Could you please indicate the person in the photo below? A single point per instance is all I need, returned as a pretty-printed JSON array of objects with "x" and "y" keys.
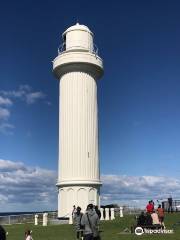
[
  {"x": 73, "y": 211},
  {"x": 148, "y": 221},
  {"x": 149, "y": 207},
  {"x": 170, "y": 202},
  {"x": 98, "y": 212},
  {"x": 77, "y": 223},
  {"x": 90, "y": 221},
  {"x": 141, "y": 221},
  {"x": 155, "y": 219},
  {"x": 160, "y": 212},
  {"x": 2, "y": 233},
  {"x": 28, "y": 235}
]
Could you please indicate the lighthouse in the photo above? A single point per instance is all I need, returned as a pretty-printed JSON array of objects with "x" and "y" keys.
[{"x": 78, "y": 69}]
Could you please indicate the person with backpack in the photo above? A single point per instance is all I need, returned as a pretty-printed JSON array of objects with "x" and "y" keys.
[
  {"x": 77, "y": 223},
  {"x": 90, "y": 221}
]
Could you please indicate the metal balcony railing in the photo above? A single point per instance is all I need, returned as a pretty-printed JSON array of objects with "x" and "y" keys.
[
  {"x": 62, "y": 48},
  {"x": 95, "y": 49}
]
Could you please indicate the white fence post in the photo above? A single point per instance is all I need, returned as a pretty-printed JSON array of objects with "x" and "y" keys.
[
  {"x": 36, "y": 219},
  {"x": 121, "y": 211},
  {"x": 112, "y": 214},
  {"x": 70, "y": 219},
  {"x": 107, "y": 213},
  {"x": 45, "y": 219},
  {"x": 102, "y": 213}
]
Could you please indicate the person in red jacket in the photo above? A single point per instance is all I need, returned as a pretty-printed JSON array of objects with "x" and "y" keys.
[{"x": 150, "y": 207}]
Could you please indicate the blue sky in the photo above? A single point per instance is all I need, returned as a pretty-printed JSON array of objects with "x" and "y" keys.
[{"x": 139, "y": 100}]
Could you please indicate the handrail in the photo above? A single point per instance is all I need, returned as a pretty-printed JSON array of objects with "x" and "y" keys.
[
  {"x": 95, "y": 49},
  {"x": 61, "y": 49}
]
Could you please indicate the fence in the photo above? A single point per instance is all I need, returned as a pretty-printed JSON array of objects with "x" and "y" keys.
[
  {"x": 175, "y": 205},
  {"x": 128, "y": 210},
  {"x": 106, "y": 214},
  {"x": 25, "y": 218}
]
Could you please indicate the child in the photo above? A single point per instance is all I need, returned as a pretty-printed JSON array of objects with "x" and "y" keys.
[{"x": 28, "y": 235}]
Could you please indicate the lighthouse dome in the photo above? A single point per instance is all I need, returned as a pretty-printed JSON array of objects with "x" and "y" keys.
[
  {"x": 78, "y": 38},
  {"x": 76, "y": 27}
]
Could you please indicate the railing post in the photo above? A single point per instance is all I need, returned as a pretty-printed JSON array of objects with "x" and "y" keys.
[
  {"x": 45, "y": 219},
  {"x": 121, "y": 211},
  {"x": 102, "y": 213},
  {"x": 112, "y": 214},
  {"x": 36, "y": 219},
  {"x": 70, "y": 219},
  {"x": 107, "y": 213}
]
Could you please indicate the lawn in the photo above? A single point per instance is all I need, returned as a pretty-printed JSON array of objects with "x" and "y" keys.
[{"x": 111, "y": 230}]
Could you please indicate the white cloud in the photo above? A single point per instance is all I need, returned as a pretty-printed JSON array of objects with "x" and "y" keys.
[
  {"x": 25, "y": 93},
  {"x": 8, "y": 166},
  {"x": 4, "y": 113},
  {"x": 5, "y": 101},
  {"x": 137, "y": 190},
  {"x": 25, "y": 188},
  {"x": 34, "y": 96},
  {"x": 19, "y": 93},
  {"x": 21, "y": 184},
  {"x": 6, "y": 128}
]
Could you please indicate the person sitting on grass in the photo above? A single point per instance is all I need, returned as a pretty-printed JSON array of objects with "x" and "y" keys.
[
  {"x": 149, "y": 220},
  {"x": 141, "y": 220}
]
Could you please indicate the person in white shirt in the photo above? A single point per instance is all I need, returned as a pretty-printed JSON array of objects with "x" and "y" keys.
[{"x": 155, "y": 218}]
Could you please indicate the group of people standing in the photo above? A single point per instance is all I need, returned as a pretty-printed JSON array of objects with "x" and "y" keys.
[
  {"x": 87, "y": 224},
  {"x": 157, "y": 215},
  {"x": 153, "y": 218}
]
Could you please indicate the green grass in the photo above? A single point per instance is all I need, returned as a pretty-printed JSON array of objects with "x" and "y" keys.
[{"x": 111, "y": 230}]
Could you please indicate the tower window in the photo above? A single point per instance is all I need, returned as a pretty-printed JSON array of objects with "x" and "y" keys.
[{"x": 64, "y": 43}]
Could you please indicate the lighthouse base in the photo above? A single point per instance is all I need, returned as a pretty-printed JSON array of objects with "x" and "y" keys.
[{"x": 76, "y": 195}]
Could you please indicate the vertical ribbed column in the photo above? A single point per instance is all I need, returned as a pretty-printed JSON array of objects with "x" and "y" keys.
[{"x": 78, "y": 139}]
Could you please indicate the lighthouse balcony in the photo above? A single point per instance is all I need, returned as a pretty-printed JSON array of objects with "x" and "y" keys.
[{"x": 62, "y": 49}]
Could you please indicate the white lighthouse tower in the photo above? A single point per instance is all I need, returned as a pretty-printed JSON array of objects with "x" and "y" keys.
[{"x": 78, "y": 67}]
